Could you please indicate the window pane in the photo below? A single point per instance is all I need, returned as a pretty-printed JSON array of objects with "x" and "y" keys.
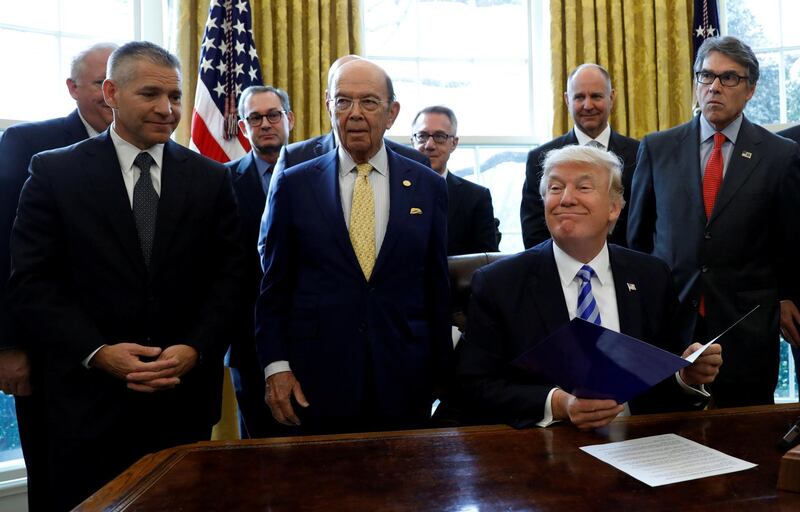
[
  {"x": 757, "y": 22},
  {"x": 9, "y": 437},
  {"x": 792, "y": 67},
  {"x": 99, "y": 20},
  {"x": 37, "y": 14},
  {"x": 765, "y": 106}
]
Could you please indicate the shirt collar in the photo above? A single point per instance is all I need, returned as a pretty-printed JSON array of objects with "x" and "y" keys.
[
  {"x": 379, "y": 161},
  {"x": 262, "y": 166},
  {"x": 91, "y": 131},
  {"x": 604, "y": 138},
  {"x": 568, "y": 266},
  {"x": 730, "y": 132},
  {"x": 126, "y": 152}
]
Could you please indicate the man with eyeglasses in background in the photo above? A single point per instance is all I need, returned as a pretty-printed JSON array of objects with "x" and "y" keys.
[
  {"x": 716, "y": 199},
  {"x": 352, "y": 324},
  {"x": 266, "y": 118},
  {"x": 589, "y": 98},
  {"x": 18, "y": 144},
  {"x": 470, "y": 216}
]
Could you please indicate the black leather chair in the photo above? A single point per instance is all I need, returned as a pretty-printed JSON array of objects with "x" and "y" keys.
[{"x": 461, "y": 269}]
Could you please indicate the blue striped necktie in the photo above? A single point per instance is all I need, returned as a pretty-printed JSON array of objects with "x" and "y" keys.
[{"x": 587, "y": 306}]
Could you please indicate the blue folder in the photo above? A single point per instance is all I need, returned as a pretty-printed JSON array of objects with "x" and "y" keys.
[{"x": 590, "y": 361}]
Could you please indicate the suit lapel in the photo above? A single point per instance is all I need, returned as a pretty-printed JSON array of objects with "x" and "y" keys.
[
  {"x": 739, "y": 167},
  {"x": 399, "y": 205},
  {"x": 544, "y": 289},
  {"x": 453, "y": 199},
  {"x": 74, "y": 130},
  {"x": 687, "y": 166},
  {"x": 170, "y": 203},
  {"x": 249, "y": 187},
  {"x": 112, "y": 196},
  {"x": 626, "y": 286},
  {"x": 325, "y": 144}
]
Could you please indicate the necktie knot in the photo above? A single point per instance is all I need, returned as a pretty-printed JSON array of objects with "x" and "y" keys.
[
  {"x": 364, "y": 170},
  {"x": 585, "y": 273},
  {"x": 595, "y": 144},
  {"x": 719, "y": 140},
  {"x": 143, "y": 161}
]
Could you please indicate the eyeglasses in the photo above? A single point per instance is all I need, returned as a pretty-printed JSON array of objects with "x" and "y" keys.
[
  {"x": 342, "y": 104},
  {"x": 438, "y": 137},
  {"x": 728, "y": 79},
  {"x": 273, "y": 116}
]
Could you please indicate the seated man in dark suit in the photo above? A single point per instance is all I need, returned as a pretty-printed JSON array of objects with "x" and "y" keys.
[
  {"x": 519, "y": 301},
  {"x": 589, "y": 98},
  {"x": 266, "y": 118},
  {"x": 17, "y": 145},
  {"x": 470, "y": 216},
  {"x": 125, "y": 262}
]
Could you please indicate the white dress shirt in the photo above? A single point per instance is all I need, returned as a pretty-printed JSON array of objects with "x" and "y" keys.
[{"x": 604, "y": 138}]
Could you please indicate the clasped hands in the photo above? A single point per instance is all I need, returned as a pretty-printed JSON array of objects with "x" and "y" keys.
[
  {"x": 588, "y": 414},
  {"x": 146, "y": 369}
]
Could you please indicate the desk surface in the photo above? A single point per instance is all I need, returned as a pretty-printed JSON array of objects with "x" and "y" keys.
[{"x": 465, "y": 469}]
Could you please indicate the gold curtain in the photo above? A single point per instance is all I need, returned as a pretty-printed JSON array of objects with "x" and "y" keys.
[
  {"x": 297, "y": 40},
  {"x": 646, "y": 46}
]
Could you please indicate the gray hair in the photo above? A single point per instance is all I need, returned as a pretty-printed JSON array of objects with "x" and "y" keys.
[
  {"x": 590, "y": 65},
  {"x": 439, "y": 109},
  {"x": 78, "y": 61},
  {"x": 575, "y": 154},
  {"x": 733, "y": 48},
  {"x": 261, "y": 89},
  {"x": 119, "y": 68}
]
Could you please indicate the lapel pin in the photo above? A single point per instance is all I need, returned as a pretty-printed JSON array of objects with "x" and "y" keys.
[
  {"x": 415, "y": 211},
  {"x": 631, "y": 287},
  {"x": 747, "y": 154},
  {"x": 406, "y": 183}
]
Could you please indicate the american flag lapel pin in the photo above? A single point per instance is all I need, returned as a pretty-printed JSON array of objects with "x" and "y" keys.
[
  {"x": 747, "y": 154},
  {"x": 631, "y": 287}
]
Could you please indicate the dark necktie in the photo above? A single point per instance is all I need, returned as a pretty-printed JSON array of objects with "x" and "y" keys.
[{"x": 145, "y": 205}]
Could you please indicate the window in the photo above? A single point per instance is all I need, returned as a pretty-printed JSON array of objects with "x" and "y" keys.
[{"x": 488, "y": 60}]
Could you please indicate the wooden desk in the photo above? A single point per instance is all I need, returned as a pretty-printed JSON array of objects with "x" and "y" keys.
[{"x": 466, "y": 469}]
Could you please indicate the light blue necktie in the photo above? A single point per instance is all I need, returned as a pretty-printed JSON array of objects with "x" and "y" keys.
[{"x": 587, "y": 306}]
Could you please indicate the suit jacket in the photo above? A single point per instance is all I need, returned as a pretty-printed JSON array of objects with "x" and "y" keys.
[
  {"x": 470, "y": 217},
  {"x": 534, "y": 229},
  {"x": 738, "y": 258},
  {"x": 79, "y": 281},
  {"x": 793, "y": 133},
  {"x": 518, "y": 301},
  {"x": 348, "y": 339},
  {"x": 250, "y": 198},
  {"x": 17, "y": 145}
]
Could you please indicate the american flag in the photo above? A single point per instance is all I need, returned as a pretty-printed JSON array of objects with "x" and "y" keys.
[
  {"x": 228, "y": 65},
  {"x": 706, "y": 22}
]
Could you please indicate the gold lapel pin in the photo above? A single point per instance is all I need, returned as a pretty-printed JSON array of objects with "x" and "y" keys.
[
  {"x": 406, "y": 183},
  {"x": 415, "y": 211}
]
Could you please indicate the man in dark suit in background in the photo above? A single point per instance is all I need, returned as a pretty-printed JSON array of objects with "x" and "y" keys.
[
  {"x": 470, "y": 217},
  {"x": 518, "y": 301},
  {"x": 17, "y": 145},
  {"x": 716, "y": 198},
  {"x": 589, "y": 98},
  {"x": 266, "y": 118},
  {"x": 125, "y": 262},
  {"x": 352, "y": 324}
]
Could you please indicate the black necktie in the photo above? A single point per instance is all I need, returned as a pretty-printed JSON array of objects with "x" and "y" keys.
[{"x": 145, "y": 205}]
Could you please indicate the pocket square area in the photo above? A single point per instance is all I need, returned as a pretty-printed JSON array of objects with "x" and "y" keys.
[{"x": 415, "y": 211}]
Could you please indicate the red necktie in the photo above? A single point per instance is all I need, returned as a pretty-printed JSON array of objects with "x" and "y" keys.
[{"x": 712, "y": 179}]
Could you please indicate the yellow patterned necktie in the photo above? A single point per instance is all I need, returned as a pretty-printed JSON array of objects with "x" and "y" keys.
[{"x": 362, "y": 221}]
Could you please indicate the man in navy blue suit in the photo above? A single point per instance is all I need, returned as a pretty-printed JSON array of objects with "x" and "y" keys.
[
  {"x": 518, "y": 301},
  {"x": 266, "y": 118},
  {"x": 352, "y": 324},
  {"x": 471, "y": 224},
  {"x": 125, "y": 263},
  {"x": 17, "y": 145},
  {"x": 715, "y": 198}
]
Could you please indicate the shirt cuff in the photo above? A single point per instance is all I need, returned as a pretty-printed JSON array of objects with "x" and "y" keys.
[
  {"x": 89, "y": 359},
  {"x": 692, "y": 390},
  {"x": 547, "y": 418},
  {"x": 276, "y": 367}
]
